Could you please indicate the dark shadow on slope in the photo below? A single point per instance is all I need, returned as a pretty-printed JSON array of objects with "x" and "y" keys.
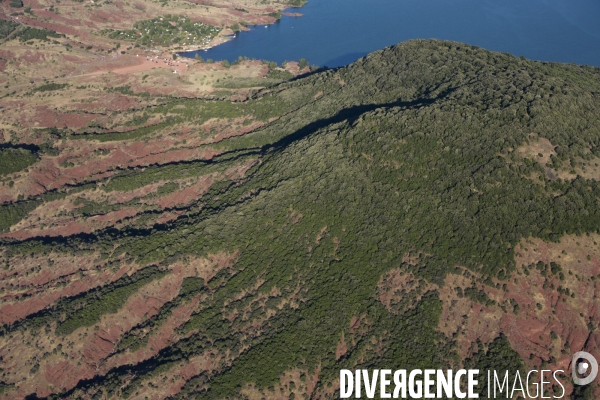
[
  {"x": 26, "y": 146},
  {"x": 350, "y": 114}
]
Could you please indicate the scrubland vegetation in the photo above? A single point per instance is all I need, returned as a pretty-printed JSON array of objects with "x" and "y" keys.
[
  {"x": 167, "y": 31},
  {"x": 7, "y": 27},
  {"x": 28, "y": 33}
]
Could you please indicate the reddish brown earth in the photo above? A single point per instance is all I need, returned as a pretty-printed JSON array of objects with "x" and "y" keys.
[
  {"x": 294, "y": 68},
  {"x": 51, "y": 363},
  {"x": 301, "y": 382},
  {"x": 80, "y": 23},
  {"x": 48, "y": 174},
  {"x": 89, "y": 352},
  {"x": 549, "y": 326},
  {"x": 94, "y": 351},
  {"x": 399, "y": 291},
  {"x": 44, "y": 220},
  {"x": 28, "y": 288}
]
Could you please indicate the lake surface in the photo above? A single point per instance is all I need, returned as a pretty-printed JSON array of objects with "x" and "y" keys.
[{"x": 336, "y": 32}]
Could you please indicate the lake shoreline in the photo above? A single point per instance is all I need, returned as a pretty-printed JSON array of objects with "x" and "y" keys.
[
  {"x": 227, "y": 34},
  {"x": 334, "y": 33}
]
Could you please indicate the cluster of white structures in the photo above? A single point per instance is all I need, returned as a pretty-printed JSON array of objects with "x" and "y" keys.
[
  {"x": 201, "y": 38},
  {"x": 169, "y": 62}
]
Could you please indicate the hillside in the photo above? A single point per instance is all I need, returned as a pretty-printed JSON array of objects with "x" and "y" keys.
[
  {"x": 77, "y": 52},
  {"x": 431, "y": 205}
]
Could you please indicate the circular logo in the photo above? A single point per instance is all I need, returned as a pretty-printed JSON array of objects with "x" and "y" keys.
[{"x": 580, "y": 365}]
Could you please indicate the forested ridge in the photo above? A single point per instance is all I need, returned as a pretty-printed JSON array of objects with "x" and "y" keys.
[{"x": 413, "y": 152}]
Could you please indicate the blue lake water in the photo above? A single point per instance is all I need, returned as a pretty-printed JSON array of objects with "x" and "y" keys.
[{"x": 336, "y": 32}]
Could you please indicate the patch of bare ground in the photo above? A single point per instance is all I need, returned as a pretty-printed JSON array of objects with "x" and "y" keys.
[
  {"x": 31, "y": 284},
  {"x": 295, "y": 69},
  {"x": 60, "y": 217},
  {"x": 168, "y": 383},
  {"x": 172, "y": 380},
  {"x": 89, "y": 160},
  {"x": 82, "y": 53},
  {"x": 88, "y": 99},
  {"x": 70, "y": 226},
  {"x": 400, "y": 291},
  {"x": 300, "y": 382},
  {"x": 56, "y": 363},
  {"x": 543, "y": 151},
  {"x": 548, "y": 308}
]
